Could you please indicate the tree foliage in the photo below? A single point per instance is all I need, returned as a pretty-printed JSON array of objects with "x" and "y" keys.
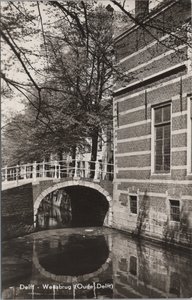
[
  {"x": 74, "y": 101},
  {"x": 59, "y": 56}
]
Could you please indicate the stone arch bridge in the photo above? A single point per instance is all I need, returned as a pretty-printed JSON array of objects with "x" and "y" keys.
[
  {"x": 25, "y": 186},
  {"x": 42, "y": 188}
]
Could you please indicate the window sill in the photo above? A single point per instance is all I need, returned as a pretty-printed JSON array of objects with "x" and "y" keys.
[
  {"x": 189, "y": 176},
  {"x": 132, "y": 214},
  {"x": 173, "y": 223},
  {"x": 133, "y": 276},
  {"x": 161, "y": 175}
]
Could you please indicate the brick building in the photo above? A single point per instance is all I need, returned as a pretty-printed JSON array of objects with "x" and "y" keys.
[{"x": 153, "y": 124}]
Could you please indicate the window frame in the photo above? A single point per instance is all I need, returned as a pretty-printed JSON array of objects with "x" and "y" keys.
[
  {"x": 174, "y": 221},
  {"x": 130, "y": 270},
  {"x": 129, "y": 199},
  {"x": 189, "y": 136},
  {"x": 153, "y": 139}
]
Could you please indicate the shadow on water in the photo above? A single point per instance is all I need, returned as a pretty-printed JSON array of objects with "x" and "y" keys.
[
  {"x": 72, "y": 207},
  {"x": 78, "y": 264},
  {"x": 77, "y": 255}
]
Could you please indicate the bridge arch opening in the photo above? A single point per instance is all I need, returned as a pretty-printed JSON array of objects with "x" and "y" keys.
[{"x": 88, "y": 204}]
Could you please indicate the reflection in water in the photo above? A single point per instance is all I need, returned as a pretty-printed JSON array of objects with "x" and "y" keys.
[
  {"x": 102, "y": 263},
  {"x": 54, "y": 211},
  {"x": 145, "y": 270},
  {"x": 78, "y": 255}
]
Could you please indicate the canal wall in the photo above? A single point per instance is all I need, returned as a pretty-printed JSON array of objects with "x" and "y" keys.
[
  {"x": 153, "y": 218},
  {"x": 17, "y": 211}
]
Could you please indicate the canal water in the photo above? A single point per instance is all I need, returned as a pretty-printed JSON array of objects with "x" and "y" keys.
[{"x": 92, "y": 262}]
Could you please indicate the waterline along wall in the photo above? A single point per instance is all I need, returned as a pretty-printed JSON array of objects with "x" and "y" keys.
[{"x": 153, "y": 125}]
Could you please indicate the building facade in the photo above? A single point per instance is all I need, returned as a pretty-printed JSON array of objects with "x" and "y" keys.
[{"x": 153, "y": 125}]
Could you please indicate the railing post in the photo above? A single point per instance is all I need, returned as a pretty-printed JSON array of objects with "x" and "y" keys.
[
  {"x": 43, "y": 169},
  {"x": 104, "y": 171},
  {"x": 80, "y": 169},
  {"x": 5, "y": 173},
  {"x": 59, "y": 175},
  {"x": 17, "y": 173},
  {"x": 75, "y": 175},
  {"x": 55, "y": 175},
  {"x": 34, "y": 175},
  {"x": 31, "y": 170},
  {"x": 86, "y": 169},
  {"x": 67, "y": 163},
  {"x": 83, "y": 169},
  {"x": 96, "y": 170},
  {"x": 25, "y": 172}
]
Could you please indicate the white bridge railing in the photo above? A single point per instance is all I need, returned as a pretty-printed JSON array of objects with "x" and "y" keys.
[{"x": 58, "y": 169}]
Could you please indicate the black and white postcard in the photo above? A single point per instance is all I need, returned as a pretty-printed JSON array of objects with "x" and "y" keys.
[{"x": 96, "y": 131}]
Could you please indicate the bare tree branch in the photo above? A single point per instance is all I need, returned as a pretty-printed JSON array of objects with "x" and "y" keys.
[{"x": 18, "y": 55}]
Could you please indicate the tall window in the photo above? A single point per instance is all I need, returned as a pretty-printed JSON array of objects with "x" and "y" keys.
[
  {"x": 174, "y": 210},
  {"x": 162, "y": 124},
  {"x": 133, "y": 204},
  {"x": 133, "y": 265}
]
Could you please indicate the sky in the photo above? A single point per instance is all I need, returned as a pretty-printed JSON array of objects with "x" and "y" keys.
[{"x": 130, "y": 4}]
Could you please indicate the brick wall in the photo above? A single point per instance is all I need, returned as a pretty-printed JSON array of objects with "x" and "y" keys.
[
  {"x": 139, "y": 37},
  {"x": 134, "y": 132},
  {"x": 17, "y": 211},
  {"x": 43, "y": 185}
]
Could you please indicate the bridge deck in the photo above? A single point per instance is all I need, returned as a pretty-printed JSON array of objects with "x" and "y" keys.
[{"x": 11, "y": 184}]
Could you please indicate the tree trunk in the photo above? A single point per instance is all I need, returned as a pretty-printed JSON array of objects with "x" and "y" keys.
[
  {"x": 73, "y": 154},
  {"x": 60, "y": 154},
  {"x": 94, "y": 140}
]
